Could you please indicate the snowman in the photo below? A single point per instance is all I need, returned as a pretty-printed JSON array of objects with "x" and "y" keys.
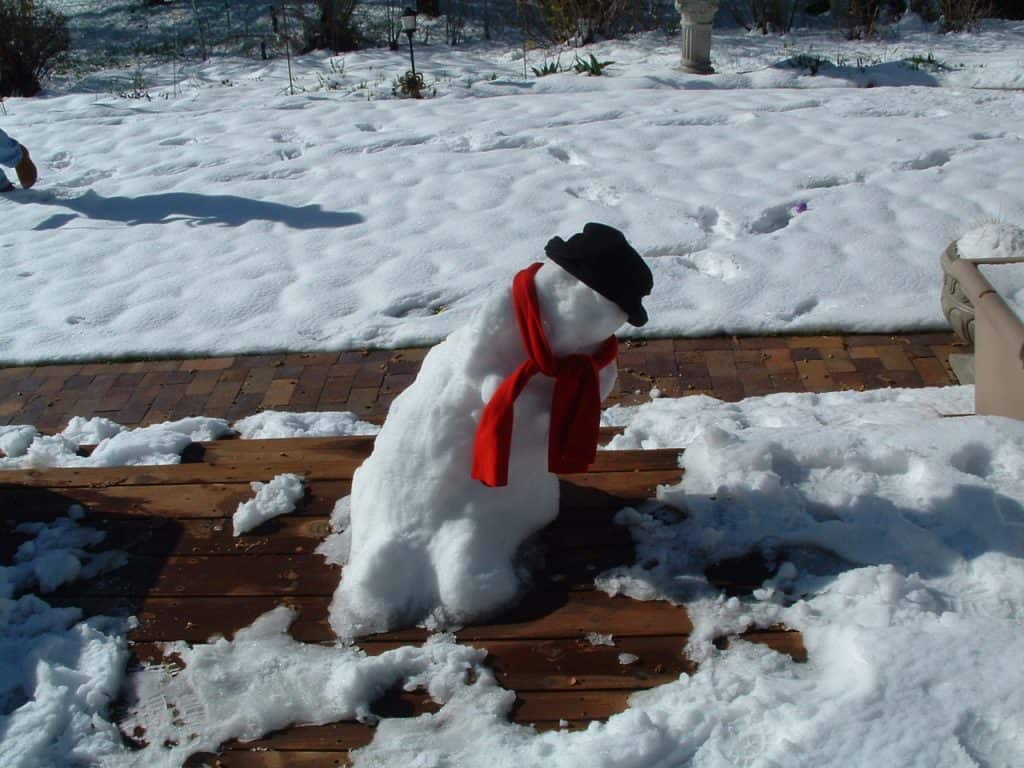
[{"x": 463, "y": 470}]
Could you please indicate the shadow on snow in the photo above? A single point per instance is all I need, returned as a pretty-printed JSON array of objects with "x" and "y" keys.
[{"x": 193, "y": 209}]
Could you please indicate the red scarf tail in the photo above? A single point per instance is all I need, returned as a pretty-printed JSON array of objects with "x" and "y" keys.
[{"x": 575, "y": 405}]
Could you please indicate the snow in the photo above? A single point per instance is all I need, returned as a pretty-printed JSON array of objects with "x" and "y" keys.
[
  {"x": 414, "y": 500},
  {"x": 115, "y": 445},
  {"x": 992, "y": 240},
  {"x": 995, "y": 240},
  {"x": 273, "y": 499},
  {"x": 263, "y": 680},
  {"x": 677, "y": 422},
  {"x": 899, "y": 531},
  {"x": 224, "y": 215},
  {"x": 284, "y": 424},
  {"x": 58, "y": 674}
]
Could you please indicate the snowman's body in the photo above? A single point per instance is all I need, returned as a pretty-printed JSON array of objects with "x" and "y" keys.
[{"x": 428, "y": 542}]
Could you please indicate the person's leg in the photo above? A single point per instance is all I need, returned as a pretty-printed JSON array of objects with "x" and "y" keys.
[
  {"x": 10, "y": 151},
  {"x": 14, "y": 155}
]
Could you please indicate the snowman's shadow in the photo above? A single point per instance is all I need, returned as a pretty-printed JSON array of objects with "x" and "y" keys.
[{"x": 568, "y": 554}]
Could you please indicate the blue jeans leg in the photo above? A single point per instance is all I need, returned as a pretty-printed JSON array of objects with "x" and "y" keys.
[
  {"x": 10, "y": 155},
  {"x": 10, "y": 151}
]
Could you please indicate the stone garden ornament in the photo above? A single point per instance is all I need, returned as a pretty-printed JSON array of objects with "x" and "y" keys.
[{"x": 697, "y": 19}]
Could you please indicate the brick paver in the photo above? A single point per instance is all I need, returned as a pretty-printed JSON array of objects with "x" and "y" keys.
[{"x": 367, "y": 381}]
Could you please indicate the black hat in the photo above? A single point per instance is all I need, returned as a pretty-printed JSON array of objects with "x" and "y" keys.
[{"x": 600, "y": 257}]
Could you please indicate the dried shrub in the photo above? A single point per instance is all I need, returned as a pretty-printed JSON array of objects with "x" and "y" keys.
[
  {"x": 958, "y": 15},
  {"x": 584, "y": 20},
  {"x": 33, "y": 41}
]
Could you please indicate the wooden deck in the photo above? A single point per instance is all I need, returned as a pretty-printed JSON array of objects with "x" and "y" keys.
[{"x": 188, "y": 578}]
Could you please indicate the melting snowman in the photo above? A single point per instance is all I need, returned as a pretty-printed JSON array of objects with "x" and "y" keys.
[{"x": 462, "y": 471}]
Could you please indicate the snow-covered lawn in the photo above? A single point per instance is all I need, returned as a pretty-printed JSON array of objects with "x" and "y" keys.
[{"x": 225, "y": 215}]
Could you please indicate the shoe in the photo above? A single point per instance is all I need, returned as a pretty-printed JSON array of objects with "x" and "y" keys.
[{"x": 26, "y": 169}]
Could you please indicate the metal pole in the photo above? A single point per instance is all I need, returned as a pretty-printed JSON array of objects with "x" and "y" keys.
[{"x": 412, "y": 58}]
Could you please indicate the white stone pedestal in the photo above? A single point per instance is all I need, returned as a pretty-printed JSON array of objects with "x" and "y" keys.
[{"x": 697, "y": 17}]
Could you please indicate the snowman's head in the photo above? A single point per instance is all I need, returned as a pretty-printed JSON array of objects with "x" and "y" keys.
[{"x": 600, "y": 257}]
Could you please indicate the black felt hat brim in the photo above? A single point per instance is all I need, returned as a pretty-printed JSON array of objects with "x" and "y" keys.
[{"x": 584, "y": 270}]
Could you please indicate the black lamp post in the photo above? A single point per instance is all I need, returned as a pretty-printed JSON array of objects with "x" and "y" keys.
[{"x": 409, "y": 27}]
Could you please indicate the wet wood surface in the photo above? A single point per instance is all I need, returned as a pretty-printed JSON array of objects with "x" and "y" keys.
[{"x": 188, "y": 578}]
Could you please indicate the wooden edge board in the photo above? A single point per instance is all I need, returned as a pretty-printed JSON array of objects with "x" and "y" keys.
[
  {"x": 540, "y": 615},
  {"x": 571, "y": 663}
]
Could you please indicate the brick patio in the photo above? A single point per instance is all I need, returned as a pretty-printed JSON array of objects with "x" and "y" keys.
[{"x": 367, "y": 381}]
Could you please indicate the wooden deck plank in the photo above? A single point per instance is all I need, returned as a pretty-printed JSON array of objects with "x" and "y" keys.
[
  {"x": 542, "y": 665},
  {"x": 249, "y": 757},
  {"x": 291, "y": 535},
  {"x": 582, "y": 495},
  {"x": 205, "y": 474},
  {"x": 540, "y": 615},
  {"x": 561, "y": 664},
  {"x": 231, "y": 452},
  {"x": 304, "y": 573}
]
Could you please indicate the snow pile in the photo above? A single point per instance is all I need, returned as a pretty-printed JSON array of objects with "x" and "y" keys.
[
  {"x": 993, "y": 240},
  {"x": 264, "y": 680},
  {"x": 283, "y": 424},
  {"x": 58, "y": 554},
  {"x": 413, "y": 500},
  {"x": 278, "y": 497},
  {"x": 336, "y": 547},
  {"x": 677, "y": 422},
  {"x": 902, "y": 551},
  {"x": 999, "y": 241},
  {"x": 58, "y": 675},
  {"x": 116, "y": 446},
  {"x": 902, "y": 562}
]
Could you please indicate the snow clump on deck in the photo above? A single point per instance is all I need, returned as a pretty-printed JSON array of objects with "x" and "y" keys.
[
  {"x": 58, "y": 675},
  {"x": 273, "y": 499},
  {"x": 283, "y": 424},
  {"x": 116, "y": 446},
  {"x": 264, "y": 680}
]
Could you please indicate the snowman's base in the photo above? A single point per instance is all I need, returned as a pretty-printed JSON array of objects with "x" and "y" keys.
[{"x": 188, "y": 578}]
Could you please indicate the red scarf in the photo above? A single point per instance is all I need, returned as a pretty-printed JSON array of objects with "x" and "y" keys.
[{"x": 575, "y": 406}]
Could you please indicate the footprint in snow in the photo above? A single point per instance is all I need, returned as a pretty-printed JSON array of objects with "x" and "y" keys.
[
  {"x": 777, "y": 217},
  {"x": 934, "y": 159}
]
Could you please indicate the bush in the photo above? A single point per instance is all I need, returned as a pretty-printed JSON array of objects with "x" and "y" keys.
[
  {"x": 958, "y": 15},
  {"x": 586, "y": 19},
  {"x": 1007, "y": 9},
  {"x": 33, "y": 40},
  {"x": 409, "y": 85},
  {"x": 764, "y": 15},
  {"x": 862, "y": 18},
  {"x": 335, "y": 28}
]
